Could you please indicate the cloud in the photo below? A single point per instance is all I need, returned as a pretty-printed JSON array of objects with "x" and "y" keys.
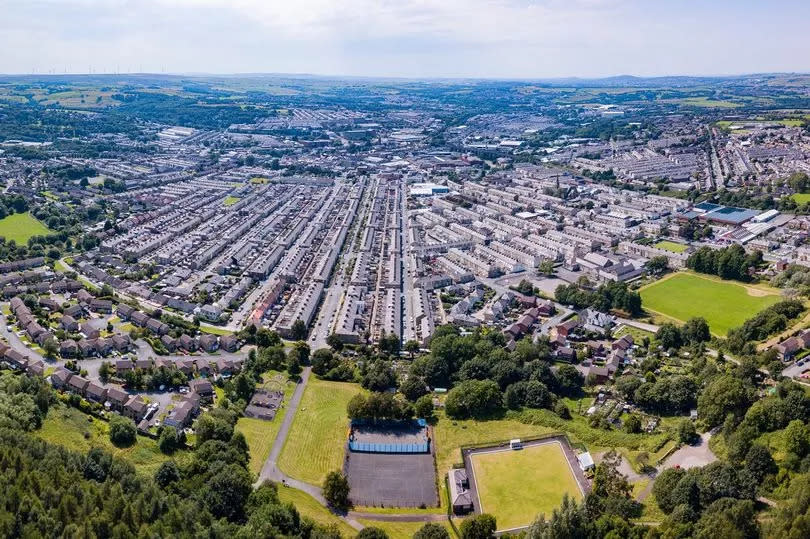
[{"x": 496, "y": 38}]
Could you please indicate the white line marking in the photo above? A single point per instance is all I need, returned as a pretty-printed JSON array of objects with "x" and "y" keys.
[{"x": 507, "y": 449}]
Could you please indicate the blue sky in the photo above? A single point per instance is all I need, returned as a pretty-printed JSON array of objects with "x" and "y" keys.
[{"x": 407, "y": 38}]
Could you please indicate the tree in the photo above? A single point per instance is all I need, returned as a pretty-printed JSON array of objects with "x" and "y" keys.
[
  {"x": 759, "y": 462},
  {"x": 122, "y": 431},
  {"x": 562, "y": 410},
  {"x": 227, "y": 491},
  {"x": 336, "y": 490},
  {"x": 686, "y": 432},
  {"x": 481, "y": 526},
  {"x": 696, "y": 330},
  {"x": 298, "y": 332},
  {"x": 723, "y": 395},
  {"x": 423, "y": 407},
  {"x": 797, "y": 439},
  {"x": 473, "y": 398},
  {"x": 293, "y": 366},
  {"x": 334, "y": 342},
  {"x": 323, "y": 360},
  {"x": 665, "y": 485},
  {"x": 167, "y": 474},
  {"x": 431, "y": 530},
  {"x": 546, "y": 267},
  {"x": 168, "y": 440},
  {"x": 380, "y": 376},
  {"x": 413, "y": 387},
  {"x": 632, "y": 424},
  {"x": 50, "y": 348},
  {"x": 411, "y": 346},
  {"x": 300, "y": 350},
  {"x": 567, "y": 521},
  {"x": 657, "y": 265},
  {"x": 668, "y": 336},
  {"x": 370, "y": 532},
  {"x": 569, "y": 380}
]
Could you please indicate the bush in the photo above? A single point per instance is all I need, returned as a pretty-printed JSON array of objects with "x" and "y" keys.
[{"x": 122, "y": 431}]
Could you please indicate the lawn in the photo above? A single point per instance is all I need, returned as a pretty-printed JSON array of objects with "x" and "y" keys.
[
  {"x": 401, "y": 530},
  {"x": 21, "y": 226},
  {"x": 724, "y": 304},
  {"x": 451, "y": 435},
  {"x": 261, "y": 434},
  {"x": 215, "y": 330},
  {"x": 309, "y": 507},
  {"x": 317, "y": 439},
  {"x": 801, "y": 198},
  {"x": 671, "y": 246},
  {"x": 516, "y": 486},
  {"x": 77, "y": 431},
  {"x": 231, "y": 200}
]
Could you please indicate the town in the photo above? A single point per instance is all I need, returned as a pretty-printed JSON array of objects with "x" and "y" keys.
[{"x": 410, "y": 313}]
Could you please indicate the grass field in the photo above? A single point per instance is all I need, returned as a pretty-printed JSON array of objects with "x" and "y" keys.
[
  {"x": 724, "y": 304},
  {"x": 451, "y": 435},
  {"x": 516, "y": 486},
  {"x": 317, "y": 438},
  {"x": 705, "y": 102},
  {"x": 801, "y": 198},
  {"x": 75, "y": 430},
  {"x": 231, "y": 200},
  {"x": 309, "y": 507},
  {"x": 401, "y": 530},
  {"x": 672, "y": 246},
  {"x": 261, "y": 434},
  {"x": 214, "y": 330},
  {"x": 21, "y": 226}
]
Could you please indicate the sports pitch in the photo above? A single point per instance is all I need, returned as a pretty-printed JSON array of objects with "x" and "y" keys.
[
  {"x": 724, "y": 304},
  {"x": 22, "y": 226},
  {"x": 672, "y": 246},
  {"x": 517, "y": 486}
]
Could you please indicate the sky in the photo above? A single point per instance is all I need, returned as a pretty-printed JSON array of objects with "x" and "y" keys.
[{"x": 407, "y": 38}]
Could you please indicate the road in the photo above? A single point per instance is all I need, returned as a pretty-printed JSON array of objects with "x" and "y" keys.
[
  {"x": 15, "y": 343},
  {"x": 270, "y": 470},
  {"x": 688, "y": 456}
]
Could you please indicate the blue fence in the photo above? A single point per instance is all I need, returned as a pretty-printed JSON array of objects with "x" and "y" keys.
[{"x": 368, "y": 447}]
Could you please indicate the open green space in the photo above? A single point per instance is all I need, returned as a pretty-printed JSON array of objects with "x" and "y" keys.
[
  {"x": 214, "y": 330},
  {"x": 724, "y": 304},
  {"x": 672, "y": 246},
  {"x": 231, "y": 200},
  {"x": 401, "y": 530},
  {"x": 311, "y": 508},
  {"x": 261, "y": 434},
  {"x": 80, "y": 432},
  {"x": 451, "y": 435},
  {"x": 801, "y": 198},
  {"x": 516, "y": 486},
  {"x": 706, "y": 102},
  {"x": 317, "y": 439},
  {"x": 22, "y": 226}
]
